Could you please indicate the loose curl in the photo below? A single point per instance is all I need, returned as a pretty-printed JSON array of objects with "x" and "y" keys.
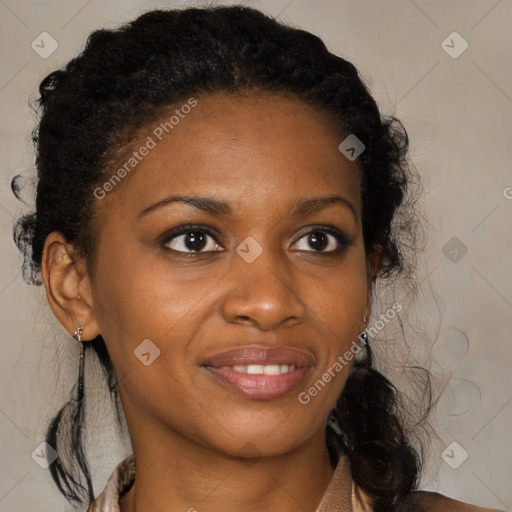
[{"x": 94, "y": 106}]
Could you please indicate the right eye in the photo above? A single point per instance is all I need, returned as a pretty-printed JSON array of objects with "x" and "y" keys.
[{"x": 191, "y": 239}]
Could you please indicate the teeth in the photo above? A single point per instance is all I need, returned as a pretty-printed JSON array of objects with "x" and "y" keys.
[
  {"x": 261, "y": 369},
  {"x": 254, "y": 369},
  {"x": 272, "y": 369}
]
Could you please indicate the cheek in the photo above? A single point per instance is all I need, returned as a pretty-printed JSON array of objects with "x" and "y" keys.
[
  {"x": 336, "y": 305},
  {"x": 338, "y": 297},
  {"x": 143, "y": 295},
  {"x": 147, "y": 328},
  {"x": 154, "y": 313}
]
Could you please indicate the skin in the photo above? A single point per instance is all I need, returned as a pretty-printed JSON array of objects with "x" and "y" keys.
[{"x": 197, "y": 443}]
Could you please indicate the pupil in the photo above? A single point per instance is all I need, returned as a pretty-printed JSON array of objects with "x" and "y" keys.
[
  {"x": 195, "y": 240},
  {"x": 318, "y": 240}
]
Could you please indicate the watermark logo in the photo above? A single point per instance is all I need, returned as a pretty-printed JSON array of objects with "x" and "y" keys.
[
  {"x": 454, "y": 249},
  {"x": 249, "y": 249},
  {"x": 44, "y": 45},
  {"x": 352, "y": 147},
  {"x": 147, "y": 352},
  {"x": 454, "y": 455},
  {"x": 454, "y": 45},
  {"x": 45, "y": 455}
]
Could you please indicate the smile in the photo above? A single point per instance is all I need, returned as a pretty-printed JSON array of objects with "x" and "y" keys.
[
  {"x": 261, "y": 369},
  {"x": 260, "y": 373}
]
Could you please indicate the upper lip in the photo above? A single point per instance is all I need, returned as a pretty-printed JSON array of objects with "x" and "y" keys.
[{"x": 254, "y": 354}]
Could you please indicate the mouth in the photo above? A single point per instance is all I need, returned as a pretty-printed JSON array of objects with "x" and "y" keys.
[
  {"x": 260, "y": 373},
  {"x": 260, "y": 369}
]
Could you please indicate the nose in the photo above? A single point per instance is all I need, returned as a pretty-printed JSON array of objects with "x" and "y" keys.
[{"x": 262, "y": 293}]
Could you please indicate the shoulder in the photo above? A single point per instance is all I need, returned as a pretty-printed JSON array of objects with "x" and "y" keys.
[{"x": 435, "y": 502}]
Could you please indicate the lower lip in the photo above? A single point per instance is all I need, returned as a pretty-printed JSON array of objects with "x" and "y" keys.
[{"x": 259, "y": 387}]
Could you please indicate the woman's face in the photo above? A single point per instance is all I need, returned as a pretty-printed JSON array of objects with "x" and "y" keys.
[{"x": 190, "y": 318}]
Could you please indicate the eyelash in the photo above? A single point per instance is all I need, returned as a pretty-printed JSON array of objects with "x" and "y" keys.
[{"x": 343, "y": 239}]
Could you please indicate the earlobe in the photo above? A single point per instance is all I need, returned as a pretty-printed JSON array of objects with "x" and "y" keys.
[{"x": 67, "y": 286}]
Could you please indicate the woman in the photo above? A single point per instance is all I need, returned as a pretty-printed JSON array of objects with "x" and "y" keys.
[{"x": 217, "y": 197}]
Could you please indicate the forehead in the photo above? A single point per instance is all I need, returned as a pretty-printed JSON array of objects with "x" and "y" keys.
[{"x": 252, "y": 148}]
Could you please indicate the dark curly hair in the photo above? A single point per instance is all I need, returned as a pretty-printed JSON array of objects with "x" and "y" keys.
[{"x": 121, "y": 82}]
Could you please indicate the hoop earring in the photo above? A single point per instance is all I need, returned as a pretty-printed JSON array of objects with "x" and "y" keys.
[
  {"x": 369, "y": 353},
  {"x": 363, "y": 336},
  {"x": 333, "y": 423},
  {"x": 78, "y": 337}
]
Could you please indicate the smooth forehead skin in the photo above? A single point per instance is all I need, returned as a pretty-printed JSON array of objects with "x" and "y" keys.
[{"x": 255, "y": 151}]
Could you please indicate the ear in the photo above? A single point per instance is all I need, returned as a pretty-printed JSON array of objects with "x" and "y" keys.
[
  {"x": 374, "y": 262},
  {"x": 373, "y": 265},
  {"x": 68, "y": 286}
]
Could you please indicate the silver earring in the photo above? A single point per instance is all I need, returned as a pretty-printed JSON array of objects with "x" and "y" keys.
[
  {"x": 333, "y": 423},
  {"x": 78, "y": 337},
  {"x": 363, "y": 336}
]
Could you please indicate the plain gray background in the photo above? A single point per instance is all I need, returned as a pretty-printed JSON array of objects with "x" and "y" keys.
[{"x": 458, "y": 112}]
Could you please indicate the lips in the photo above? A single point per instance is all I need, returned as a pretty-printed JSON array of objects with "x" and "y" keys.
[
  {"x": 260, "y": 373},
  {"x": 261, "y": 356}
]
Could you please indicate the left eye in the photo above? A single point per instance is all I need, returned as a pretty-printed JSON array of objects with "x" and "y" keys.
[
  {"x": 322, "y": 241},
  {"x": 192, "y": 241}
]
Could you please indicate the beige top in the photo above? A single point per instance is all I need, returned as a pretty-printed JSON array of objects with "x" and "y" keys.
[{"x": 337, "y": 497}]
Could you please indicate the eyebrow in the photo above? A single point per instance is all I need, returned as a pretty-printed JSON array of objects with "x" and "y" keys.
[{"x": 301, "y": 207}]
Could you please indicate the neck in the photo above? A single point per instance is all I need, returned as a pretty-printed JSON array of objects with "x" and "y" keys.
[{"x": 176, "y": 474}]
